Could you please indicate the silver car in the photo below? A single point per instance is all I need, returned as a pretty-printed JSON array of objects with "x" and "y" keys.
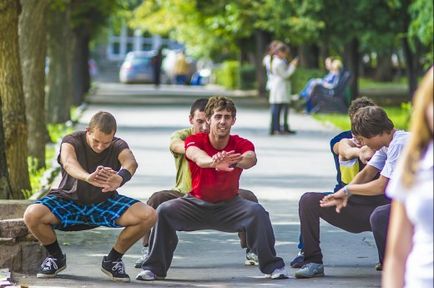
[{"x": 137, "y": 67}]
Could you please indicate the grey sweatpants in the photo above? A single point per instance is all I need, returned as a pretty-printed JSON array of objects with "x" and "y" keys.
[{"x": 191, "y": 214}]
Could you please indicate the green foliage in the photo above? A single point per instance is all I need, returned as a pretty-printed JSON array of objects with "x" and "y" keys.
[
  {"x": 35, "y": 177},
  {"x": 227, "y": 75},
  {"x": 421, "y": 27},
  {"x": 216, "y": 27},
  {"x": 247, "y": 77},
  {"x": 56, "y": 132},
  {"x": 301, "y": 76},
  {"x": 292, "y": 21}
]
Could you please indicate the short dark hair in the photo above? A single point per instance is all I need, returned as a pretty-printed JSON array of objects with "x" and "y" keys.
[
  {"x": 104, "y": 121},
  {"x": 219, "y": 103},
  {"x": 199, "y": 104},
  {"x": 359, "y": 103},
  {"x": 370, "y": 121}
]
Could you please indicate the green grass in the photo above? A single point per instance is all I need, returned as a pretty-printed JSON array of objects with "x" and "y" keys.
[
  {"x": 366, "y": 83},
  {"x": 400, "y": 117}
]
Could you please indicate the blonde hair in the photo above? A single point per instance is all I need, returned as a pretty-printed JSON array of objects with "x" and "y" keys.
[
  {"x": 421, "y": 134},
  {"x": 337, "y": 64}
]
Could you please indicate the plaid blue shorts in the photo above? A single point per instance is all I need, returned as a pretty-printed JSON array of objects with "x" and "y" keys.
[{"x": 71, "y": 213}]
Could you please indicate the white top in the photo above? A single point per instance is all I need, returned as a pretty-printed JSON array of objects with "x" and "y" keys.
[
  {"x": 386, "y": 158},
  {"x": 279, "y": 84},
  {"x": 267, "y": 64},
  {"x": 418, "y": 202}
]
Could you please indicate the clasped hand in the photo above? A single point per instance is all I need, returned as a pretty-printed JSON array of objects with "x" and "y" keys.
[
  {"x": 338, "y": 199},
  {"x": 225, "y": 160},
  {"x": 105, "y": 178}
]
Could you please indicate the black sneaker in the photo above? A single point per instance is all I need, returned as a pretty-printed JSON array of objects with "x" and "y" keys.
[
  {"x": 379, "y": 266},
  {"x": 51, "y": 266},
  {"x": 298, "y": 261},
  {"x": 115, "y": 270}
]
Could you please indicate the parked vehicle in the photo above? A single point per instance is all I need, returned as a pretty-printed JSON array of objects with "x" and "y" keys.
[{"x": 137, "y": 67}]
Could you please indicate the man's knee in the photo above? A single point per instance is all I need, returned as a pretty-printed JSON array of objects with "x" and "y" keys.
[
  {"x": 34, "y": 214},
  {"x": 156, "y": 199},
  {"x": 380, "y": 218},
  {"x": 145, "y": 214},
  {"x": 167, "y": 208},
  {"x": 247, "y": 195},
  {"x": 310, "y": 199},
  {"x": 256, "y": 210}
]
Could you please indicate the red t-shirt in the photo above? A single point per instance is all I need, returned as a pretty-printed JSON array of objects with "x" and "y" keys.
[{"x": 209, "y": 184}]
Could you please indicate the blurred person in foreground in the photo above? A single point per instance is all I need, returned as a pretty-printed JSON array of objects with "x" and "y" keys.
[{"x": 409, "y": 254}]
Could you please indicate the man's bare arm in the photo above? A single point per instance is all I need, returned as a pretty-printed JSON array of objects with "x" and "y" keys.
[
  {"x": 69, "y": 161},
  {"x": 128, "y": 161},
  {"x": 177, "y": 146},
  {"x": 200, "y": 157},
  {"x": 248, "y": 160},
  {"x": 222, "y": 161},
  {"x": 367, "y": 174},
  {"x": 372, "y": 188},
  {"x": 346, "y": 149}
]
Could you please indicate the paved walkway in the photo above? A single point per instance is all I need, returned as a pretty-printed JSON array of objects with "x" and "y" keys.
[{"x": 287, "y": 167}]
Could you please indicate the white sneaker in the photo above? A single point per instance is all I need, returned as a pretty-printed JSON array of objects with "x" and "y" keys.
[
  {"x": 278, "y": 273},
  {"x": 147, "y": 275}
]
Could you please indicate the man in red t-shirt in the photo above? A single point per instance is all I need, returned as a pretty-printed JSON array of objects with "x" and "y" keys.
[{"x": 216, "y": 161}]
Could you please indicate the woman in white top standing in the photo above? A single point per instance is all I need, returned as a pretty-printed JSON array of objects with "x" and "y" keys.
[
  {"x": 266, "y": 61},
  {"x": 280, "y": 88},
  {"x": 409, "y": 252}
]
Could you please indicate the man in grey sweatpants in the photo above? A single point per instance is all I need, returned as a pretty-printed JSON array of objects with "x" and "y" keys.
[{"x": 216, "y": 162}]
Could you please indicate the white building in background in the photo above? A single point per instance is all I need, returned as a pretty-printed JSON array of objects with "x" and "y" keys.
[{"x": 119, "y": 45}]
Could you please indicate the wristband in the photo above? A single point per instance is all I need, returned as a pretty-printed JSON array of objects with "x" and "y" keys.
[
  {"x": 346, "y": 191},
  {"x": 126, "y": 176}
]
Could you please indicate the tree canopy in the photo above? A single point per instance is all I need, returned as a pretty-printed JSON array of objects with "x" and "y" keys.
[{"x": 216, "y": 26}]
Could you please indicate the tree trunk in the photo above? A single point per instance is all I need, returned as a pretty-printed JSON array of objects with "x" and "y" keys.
[
  {"x": 77, "y": 77},
  {"x": 384, "y": 71},
  {"x": 410, "y": 56},
  {"x": 5, "y": 188},
  {"x": 351, "y": 59},
  {"x": 32, "y": 53},
  {"x": 12, "y": 96},
  {"x": 309, "y": 55},
  {"x": 59, "y": 78},
  {"x": 411, "y": 65},
  {"x": 81, "y": 74},
  {"x": 262, "y": 40}
]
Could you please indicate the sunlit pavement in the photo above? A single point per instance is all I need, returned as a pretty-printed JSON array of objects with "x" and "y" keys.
[{"x": 287, "y": 167}]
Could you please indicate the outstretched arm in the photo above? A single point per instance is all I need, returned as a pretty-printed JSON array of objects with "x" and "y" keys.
[
  {"x": 362, "y": 184},
  {"x": 248, "y": 160},
  {"x": 223, "y": 161},
  {"x": 177, "y": 146},
  {"x": 113, "y": 178},
  {"x": 68, "y": 159}
]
